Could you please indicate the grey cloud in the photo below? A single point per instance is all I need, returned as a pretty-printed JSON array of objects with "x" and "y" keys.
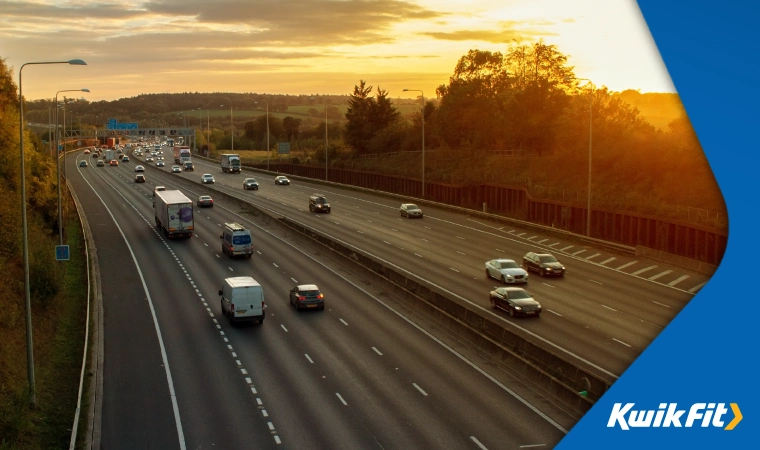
[{"x": 75, "y": 11}]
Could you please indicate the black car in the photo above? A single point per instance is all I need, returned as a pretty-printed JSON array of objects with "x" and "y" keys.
[
  {"x": 307, "y": 296},
  {"x": 543, "y": 263},
  {"x": 319, "y": 203},
  {"x": 515, "y": 301},
  {"x": 250, "y": 183},
  {"x": 281, "y": 180}
]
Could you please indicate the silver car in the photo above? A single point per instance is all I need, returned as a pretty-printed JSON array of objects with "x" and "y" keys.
[
  {"x": 207, "y": 178},
  {"x": 506, "y": 270}
]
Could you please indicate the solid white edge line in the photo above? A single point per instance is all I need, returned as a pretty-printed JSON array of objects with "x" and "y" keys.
[{"x": 172, "y": 394}]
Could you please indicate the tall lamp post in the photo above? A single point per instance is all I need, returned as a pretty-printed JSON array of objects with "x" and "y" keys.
[
  {"x": 326, "y": 147},
  {"x": 232, "y": 131},
  {"x": 423, "y": 136},
  {"x": 58, "y": 162},
  {"x": 268, "y": 149},
  {"x": 590, "y": 130},
  {"x": 27, "y": 294}
]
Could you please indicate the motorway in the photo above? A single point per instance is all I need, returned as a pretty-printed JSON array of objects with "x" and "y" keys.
[
  {"x": 601, "y": 315},
  {"x": 360, "y": 374}
]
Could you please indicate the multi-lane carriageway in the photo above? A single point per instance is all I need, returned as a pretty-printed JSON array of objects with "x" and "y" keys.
[{"x": 362, "y": 374}]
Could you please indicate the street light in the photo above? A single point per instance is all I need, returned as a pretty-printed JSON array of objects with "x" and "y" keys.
[
  {"x": 27, "y": 294},
  {"x": 268, "y": 149},
  {"x": 58, "y": 161},
  {"x": 326, "y": 147},
  {"x": 423, "y": 137},
  {"x": 590, "y": 129}
]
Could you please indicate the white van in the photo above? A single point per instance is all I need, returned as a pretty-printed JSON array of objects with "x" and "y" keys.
[
  {"x": 242, "y": 299},
  {"x": 236, "y": 240}
]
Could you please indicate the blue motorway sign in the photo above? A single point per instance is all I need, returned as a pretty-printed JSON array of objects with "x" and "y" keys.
[
  {"x": 61, "y": 252},
  {"x": 283, "y": 148},
  {"x": 113, "y": 124}
]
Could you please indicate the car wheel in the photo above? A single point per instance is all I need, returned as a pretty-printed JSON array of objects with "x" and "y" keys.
[
  {"x": 322, "y": 308},
  {"x": 542, "y": 273},
  {"x": 221, "y": 303},
  {"x": 493, "y": 303},
  {"x": 525, "y": 265},
  {"x": 511, "y": 312}
]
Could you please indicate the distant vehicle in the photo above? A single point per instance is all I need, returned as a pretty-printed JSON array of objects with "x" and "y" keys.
[
  {"x": 139, "y": 178},
  {"x": 242, "y": 299},
  {"x": 188, "y": 166},
  {"x": 110, "y": 155},
  {"x": 182, "y": 154},
  {"x": 250, "y": 183},
  {"x": 148, "y": 159},
  {"x": 160, "y": 164},
  {"x": 319, "y": 203},
  {"x": 307, "y": 296},
  {"x": 111, "y": 142},
  {"x": 205, "y": 200},
  {"x": 95, "y": 155},
  {"x": 515, "y": 301},
  {"x": 125, "y": 158},
  {"x": 86, "y": 151},
  {"x": 230, "y": 162},
  {"x": 176, "y": 169},
  {"x": 82, "y": 163},
  {"x": 158, "y": 189},
  {"x": 139, "y": 169},
  {"x": 543, "y": 263},
  {"x": 236, "y": 240},
  {"x": 207, "y": 178},
  {"x": 100, "y": 163},
  {"x": 281, "y": 180},
  {"x": 506, "y": 270},
  {"x": 410, "y": 210},
  {"x": 174, "y": 213},
  {"x": 113, "y": 162}
]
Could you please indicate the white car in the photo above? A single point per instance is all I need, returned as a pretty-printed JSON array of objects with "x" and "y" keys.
[
  {"x": 139, "y": 169},
  {"x": 207, "y": 178},
  {"x": 506, "y": 270}
]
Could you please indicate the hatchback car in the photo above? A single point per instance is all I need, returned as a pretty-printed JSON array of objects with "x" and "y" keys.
[
  {"x": 125, "y": 158},
  {"x": 82, "y": 163},
  {"x": 410, "y": 210},
  {"x": 113, "y": 163},
  {"x": 100, "y": 163},
  {"x": 139, "y": 178},
  {"x": 281, "y": 180},
  {"x": 139, "y": 169},
  {"x": 319, "y": 203},
  {"x": 205, "y": 200},
  {"x": 515, "y": 301},
  {"x": 207, "y": 178},
  {"x": 176, "y": 169},
  {"x": 506, "y": 270},
  {"x": 543, "y": 263},
  {"x": 95, "y": 155},
  {"x": 307, "y": 296},
  {"x": 251, "y": 183}
]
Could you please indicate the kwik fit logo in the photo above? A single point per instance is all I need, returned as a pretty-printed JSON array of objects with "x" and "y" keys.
[{"x": 668, "y": 415}]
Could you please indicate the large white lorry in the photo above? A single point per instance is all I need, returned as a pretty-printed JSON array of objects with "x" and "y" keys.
[
  {"x": 110, "y": 154},
  {"x": 174, "y": 213},
  {"x": 230, "y": 162}
]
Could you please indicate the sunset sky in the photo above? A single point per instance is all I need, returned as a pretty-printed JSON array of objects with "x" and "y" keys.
[{"x": 310, "y": 46}]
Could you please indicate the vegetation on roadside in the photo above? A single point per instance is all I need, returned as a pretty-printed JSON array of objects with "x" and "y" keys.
[{"x": 58, "y": 293}]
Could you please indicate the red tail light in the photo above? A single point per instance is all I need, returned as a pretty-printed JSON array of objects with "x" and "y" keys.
[{"x": 301, "y": 298}]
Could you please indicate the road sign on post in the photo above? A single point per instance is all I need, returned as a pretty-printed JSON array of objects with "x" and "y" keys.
[
  {"x": 283, "y": 148},
  {"x": 61, "y": 252}
]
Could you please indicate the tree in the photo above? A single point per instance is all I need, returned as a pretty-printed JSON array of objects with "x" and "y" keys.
[
  {"x": 359, "y": 128},
  {"x": 291, "y": 126}
]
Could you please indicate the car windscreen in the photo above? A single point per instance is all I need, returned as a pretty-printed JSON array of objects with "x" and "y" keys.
[
  {"x": 547, "y": 259},
  {"x": 321, "y": 201},
  {"x": 517, "y": 295},
  {"x": 412, "y": 207},
  {"x": 242, "y": 239},
  {"x": 509, "y": 265}
]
